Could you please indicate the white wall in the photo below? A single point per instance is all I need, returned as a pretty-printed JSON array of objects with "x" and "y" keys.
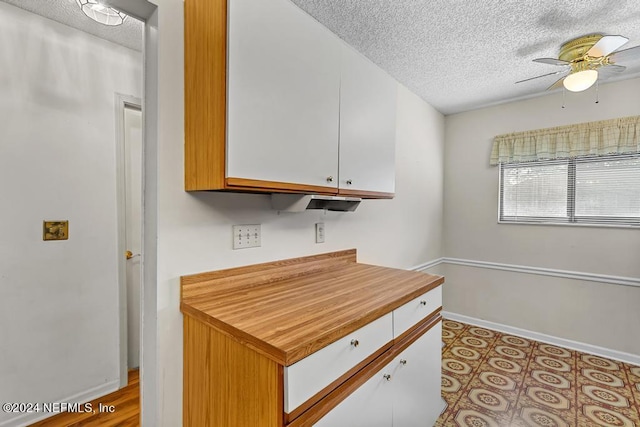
[
  {"x": 595, "y": 313},
  {"x": 58, "y": 300},
  {"x": 194, "y": 231}
]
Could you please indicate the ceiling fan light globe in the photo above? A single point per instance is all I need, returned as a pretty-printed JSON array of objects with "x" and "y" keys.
[
  {"x": 100, "y": 13},
  {"x": 582, "y": 80}
]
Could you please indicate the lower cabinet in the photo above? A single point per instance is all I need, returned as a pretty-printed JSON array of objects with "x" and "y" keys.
[
  {"x": 405, "y": 393},
  {"x": 416, "y": 380},
  {"x": 369, "y": 406}
]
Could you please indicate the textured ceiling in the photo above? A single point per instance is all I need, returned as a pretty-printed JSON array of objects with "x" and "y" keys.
[
  {"x": 67, "y": 12},
  {"x": 459, "y": 54},
  {"x": 456, "y": 54}
]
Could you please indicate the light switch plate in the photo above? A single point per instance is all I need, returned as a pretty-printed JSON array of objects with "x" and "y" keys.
[
  {"x": 55, "y": 230},
  {"x": 247, "y": 236}
]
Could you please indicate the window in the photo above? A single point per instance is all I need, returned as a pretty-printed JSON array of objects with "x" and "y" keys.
[{"x": 583, "y": 190}]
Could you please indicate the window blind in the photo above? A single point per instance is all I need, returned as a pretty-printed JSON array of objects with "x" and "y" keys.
[{"x": 583, "y": 190}]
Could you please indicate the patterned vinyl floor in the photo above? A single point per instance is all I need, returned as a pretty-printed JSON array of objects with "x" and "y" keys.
[{"x": 491, "y": 379}]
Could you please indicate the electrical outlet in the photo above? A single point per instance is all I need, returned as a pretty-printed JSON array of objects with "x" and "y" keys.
[
  {"x": 320, "y": 232},
  {"x": 246, "y": 236}
]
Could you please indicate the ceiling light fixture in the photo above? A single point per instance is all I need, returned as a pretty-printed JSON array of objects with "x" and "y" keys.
[
  {"x": 101, "y": 13},
  {"x": 582, "y": 80}
]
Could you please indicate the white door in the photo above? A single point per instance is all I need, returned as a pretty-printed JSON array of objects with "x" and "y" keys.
[
  {"x": 283, "y": 95},
  {"x": 368, "y": 406},
  {"x": 367, "y": 125},
  {"x": 133, "y": 223},
  {"x": 416, "y": 375}
]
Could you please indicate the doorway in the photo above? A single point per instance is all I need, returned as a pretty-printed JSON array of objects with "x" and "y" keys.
[
  {"x": 129, "y": 181},
  {"x": 56, "y": 146}
]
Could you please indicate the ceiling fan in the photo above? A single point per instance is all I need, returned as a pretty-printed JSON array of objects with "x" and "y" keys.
[{"x": 589, "y": 58}]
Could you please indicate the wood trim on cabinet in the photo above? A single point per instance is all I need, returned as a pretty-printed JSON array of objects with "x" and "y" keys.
[
  {"x": 275, "y": 186},
  {"x": 365, "y": 194},
  {"x": 205, "y": 110},
  {"x": 412, "y": 329},
  {"x": 205, "y": 86},
  {"x": 322, "y": 393},
  {"x": 226, "y": 384},
  {"x": 424, "y": 326},
  {"x": 334, "y": 398}
]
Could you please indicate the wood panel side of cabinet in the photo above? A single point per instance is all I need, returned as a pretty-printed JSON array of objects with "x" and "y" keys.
[
  {"x": 205, "y": 98},
  {"x": 226, "y": 384}
]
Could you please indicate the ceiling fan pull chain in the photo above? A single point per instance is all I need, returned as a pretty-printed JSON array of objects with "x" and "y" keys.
[
  {"x": 564, "y": 91},
  {"x": 597, "y": 98}
]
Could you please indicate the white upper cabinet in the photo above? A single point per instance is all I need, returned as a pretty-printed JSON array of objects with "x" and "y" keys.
[
  {"x": 283, "y": 95},
  {"x": 305, "y": 112},
  {"x": 367, "y": 125}
]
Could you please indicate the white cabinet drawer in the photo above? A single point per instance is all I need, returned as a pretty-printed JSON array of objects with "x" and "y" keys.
[
  {"x": 415, "y": 310},
  {"x": 305, "y": 378}
]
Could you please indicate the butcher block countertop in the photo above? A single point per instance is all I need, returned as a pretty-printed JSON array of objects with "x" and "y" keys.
[{"x": 290, "y": 309}]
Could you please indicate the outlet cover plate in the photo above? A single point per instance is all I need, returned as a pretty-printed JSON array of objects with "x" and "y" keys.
[
  {"x": 247, "y": 236},
  {"x": 320, "y": 232}
]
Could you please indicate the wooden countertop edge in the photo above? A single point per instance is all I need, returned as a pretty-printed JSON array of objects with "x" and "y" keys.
[
  {"x": 302, "y": 349},
  {"x": 265, "y": 274},
  {"x": 242, "y": 337}
]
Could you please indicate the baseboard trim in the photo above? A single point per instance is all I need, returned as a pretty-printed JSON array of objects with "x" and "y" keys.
[
  {"x": 86, "y": 396},
  {"x": 631, "y": 359},
  {"x": 577, "y": 275}
]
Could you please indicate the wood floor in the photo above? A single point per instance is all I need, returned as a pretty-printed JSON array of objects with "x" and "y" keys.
[{"x": 126, "y": 403}]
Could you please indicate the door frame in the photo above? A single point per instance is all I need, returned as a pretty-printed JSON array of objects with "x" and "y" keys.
[
  {"x": 147, "y": 11},
  {"x": 121, "y": 103}
]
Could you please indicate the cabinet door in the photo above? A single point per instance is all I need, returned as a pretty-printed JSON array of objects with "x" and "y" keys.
[
  {"x": 367, "y": 125},
  {"x": 368, "y": 406},
  {"x": 416, "y": 380},
  {"x": 283, "y": 95}
]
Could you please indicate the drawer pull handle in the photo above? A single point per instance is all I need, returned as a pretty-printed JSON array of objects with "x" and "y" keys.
[
  {"x": 349, "y": 182},
  {"x": 403, "y": 362},
  {"x": 355, "y": 343},
  {"x": 329, "y": 179},
  {"x": 387, "y": 377},
  {"x": 423, "y": 302}
]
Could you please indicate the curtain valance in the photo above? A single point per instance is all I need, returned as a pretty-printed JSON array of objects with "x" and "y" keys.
[{"x": 616, "y": 136}]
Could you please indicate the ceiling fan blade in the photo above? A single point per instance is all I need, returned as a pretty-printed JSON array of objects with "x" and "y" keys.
[
  {"x": 609, "y": 71},
  {"x": 556, "y": 85},
  {"x": 625, "y": 55},
  {"x": 606, "y": 45},
  {"x": 551, "y": 61},
  {"x": 544, "y": 75}
]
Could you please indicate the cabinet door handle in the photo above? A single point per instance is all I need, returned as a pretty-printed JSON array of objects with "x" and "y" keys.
[
  {"x": 355, "y": 343},
  {"x": 403, "y": 362},
  {"x": 329, "y": 179},
  {"x": 387, "y": 377},
  {"x": 349, "y": 182},
  {"x": 423, "y": 302}
]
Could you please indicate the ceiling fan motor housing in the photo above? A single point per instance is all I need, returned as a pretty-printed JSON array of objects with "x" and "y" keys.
[{"x": 577, "y": 48}]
